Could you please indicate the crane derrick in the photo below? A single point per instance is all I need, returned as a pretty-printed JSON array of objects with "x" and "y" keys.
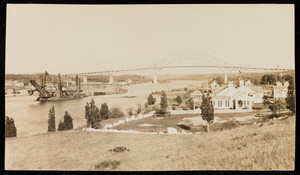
[{"x": 41, "y": 89}]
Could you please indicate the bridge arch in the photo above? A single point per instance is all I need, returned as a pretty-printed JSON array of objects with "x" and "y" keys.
[{"x": 211, "y": 60}]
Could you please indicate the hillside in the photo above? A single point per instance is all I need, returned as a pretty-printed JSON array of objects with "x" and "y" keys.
[{"x": 268, "y": 146}]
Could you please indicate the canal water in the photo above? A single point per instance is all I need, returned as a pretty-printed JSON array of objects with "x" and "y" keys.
[{"x": 31, "y": 116}]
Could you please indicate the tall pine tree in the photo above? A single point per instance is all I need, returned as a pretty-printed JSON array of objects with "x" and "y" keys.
[
  {"x": 163, "y": 101},
  {"x": 104, "y": 111},
  {"x": 207, "y": 109},
  {"x": 92, "y": 115},
  {"x": 10, "y": 128},
  {"x": 51, "y": 120},
  {"x": 291, "y": 99}
]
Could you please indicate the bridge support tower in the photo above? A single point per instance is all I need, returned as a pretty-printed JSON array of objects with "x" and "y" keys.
[
  {"x": 111, "y": 79},
  {"x": 225, "y": 78},
  {"x": 155, "y": 79},
  {"x": 85, "y": 80}
]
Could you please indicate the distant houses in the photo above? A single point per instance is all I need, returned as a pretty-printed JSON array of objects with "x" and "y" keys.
[
  {"x": 280, "y": 91},
  {"x": 239, "y": 97}
]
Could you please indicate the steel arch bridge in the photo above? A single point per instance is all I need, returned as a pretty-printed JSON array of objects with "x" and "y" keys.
[{"x": 165, "y": 63}]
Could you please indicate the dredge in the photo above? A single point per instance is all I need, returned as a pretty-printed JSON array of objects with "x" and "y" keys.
[{"x": 56, "y": 91}]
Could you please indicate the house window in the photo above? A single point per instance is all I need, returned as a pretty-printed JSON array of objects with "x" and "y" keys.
[
  {"x": 227, "y": 103},
  {"x": 247, "y": 102},
  {"x": 219, "y": 103}
]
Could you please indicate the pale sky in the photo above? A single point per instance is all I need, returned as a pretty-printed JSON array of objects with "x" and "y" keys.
[{"x": 88, "y": 38}]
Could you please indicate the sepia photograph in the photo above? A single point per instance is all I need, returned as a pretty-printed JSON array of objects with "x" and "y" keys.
[{"x": 150, "y": 87}]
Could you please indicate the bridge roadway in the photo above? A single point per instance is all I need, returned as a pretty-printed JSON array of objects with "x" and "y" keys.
[{"x": 226, "y": 69}]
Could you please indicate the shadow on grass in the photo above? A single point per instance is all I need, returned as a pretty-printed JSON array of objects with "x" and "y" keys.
[
  {"x": 106, "y": 165},
  {"x": 184, "y": 127},
  {"x": 119, "y": 149}
]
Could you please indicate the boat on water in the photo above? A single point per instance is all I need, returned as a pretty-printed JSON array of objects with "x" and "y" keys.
[{"x": 56, "y": 91}]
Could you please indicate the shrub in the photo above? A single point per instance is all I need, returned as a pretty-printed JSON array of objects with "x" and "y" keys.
[
  {"x": 51, "y": 120},
  {"x": 130, "y": 113},
  {"x": 146, "y": 105},
  {"x": 139, "y": 110},
  {"x": 276, "y": 107},
  {"x": 154, "y": 108},
  {"x": 115, "y": 113},
  {"x": 104, "y": 111},
  {"x": 10, "y": 128},
  {"x": 151, "y": 100},
  {"x": 240, "y": 102},
  {"x": 190, "y": 103}
]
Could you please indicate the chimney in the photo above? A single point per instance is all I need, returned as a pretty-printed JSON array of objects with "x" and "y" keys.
[
  {"x": 242, "y": 83},
  {"x": 230, "y": 87}
]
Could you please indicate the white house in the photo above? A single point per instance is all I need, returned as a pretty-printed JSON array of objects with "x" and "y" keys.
[
  {"x": 278, "y": 83},
  {"x": 197, "y": 98},
  {"x": 17, "y": 84},
  {"x": 214, "y": 85},
  {"x": 280, "y": 92},
  {"x": 258, "y": 95},
  {"x": 233, "y": 98},
  {"x": 248, "y": 83},
  {"x": 286, "y": 84}
]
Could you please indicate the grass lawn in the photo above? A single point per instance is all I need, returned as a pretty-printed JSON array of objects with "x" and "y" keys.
[
  {"x": 162, "y": 123},
  {"x": 267, "y": 146}
]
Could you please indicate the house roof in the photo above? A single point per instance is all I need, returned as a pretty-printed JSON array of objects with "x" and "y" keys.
[
  {"x": 257, "y": 89},
  {"x": 279, "y": 87},
  {"x": 224, "y": 93},
  {"x": 196, "y": 92},
  {"x": 221, "y": 97},
  {"x": 245, "y": 89}
]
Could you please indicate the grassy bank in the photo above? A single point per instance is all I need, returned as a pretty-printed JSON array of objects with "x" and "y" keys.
[{"x": 267, "y": 146}]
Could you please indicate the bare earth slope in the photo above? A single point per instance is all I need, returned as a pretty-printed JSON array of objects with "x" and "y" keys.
[{"x": 254, "y": 147}]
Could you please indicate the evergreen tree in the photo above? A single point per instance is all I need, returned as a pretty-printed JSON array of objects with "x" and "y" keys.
[
  {"x": 178, "y": 100},
  {"x": 92, "y": 115},
  {"x": 67, "y": 124},
  {"x": 10, "y": 128},
  {"x": 61, "y": 126},
  {"x": 104, "y": 111},
  {"x": 163, "y": 101},
  {"x": 68, "y": 121},
  {"x": 291, "y": 99},
  {"x": 51, "y": 120},
  {"x": 88, "y": 115},
  {"x": 151, "y": 100},
  {"x": 207, "y": 109}
]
